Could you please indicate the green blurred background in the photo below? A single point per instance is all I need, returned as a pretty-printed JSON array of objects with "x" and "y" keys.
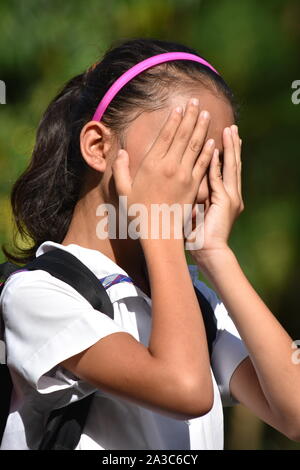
[{"x": 255, "y": 45}]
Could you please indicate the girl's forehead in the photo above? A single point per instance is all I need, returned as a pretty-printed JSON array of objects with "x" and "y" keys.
[
  {"x": 143, "y": 130},
  {"x": 217, "y": 105}
]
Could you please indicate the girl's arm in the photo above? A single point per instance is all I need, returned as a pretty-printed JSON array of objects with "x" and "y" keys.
[
  {"x": 268, "y": 382},
  {"x": 171, "y": 375}
]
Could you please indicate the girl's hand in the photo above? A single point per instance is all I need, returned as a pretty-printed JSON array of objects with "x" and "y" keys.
[
  {"x": 173, "y": 168},
  {"x": 226, "y": 201}
]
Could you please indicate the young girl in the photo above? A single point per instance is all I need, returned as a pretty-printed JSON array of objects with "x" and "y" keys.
[{"x": 156, "y": 138}]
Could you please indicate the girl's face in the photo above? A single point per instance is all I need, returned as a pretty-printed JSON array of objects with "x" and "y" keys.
[{"x": 142, "y": 132}]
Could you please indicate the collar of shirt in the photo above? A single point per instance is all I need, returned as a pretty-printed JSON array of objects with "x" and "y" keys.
[{"x": 116, "y": 281}]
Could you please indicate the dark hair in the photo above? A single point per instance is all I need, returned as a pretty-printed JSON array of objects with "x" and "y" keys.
[{"x": 44, "y": 196}]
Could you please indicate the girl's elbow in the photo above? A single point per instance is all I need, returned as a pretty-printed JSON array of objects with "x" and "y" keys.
[
  {"x": 198, "y": 399},
  {"x": 293, "y": 433},
  {"x": 291, "y": 427}
]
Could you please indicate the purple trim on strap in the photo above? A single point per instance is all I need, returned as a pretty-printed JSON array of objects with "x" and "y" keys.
[
  {"x": 106, "y": 281},
  {"x": 140, "y": 67},
  {"x": 112, "y": 279},
  {"x": 19, "y": 271}
]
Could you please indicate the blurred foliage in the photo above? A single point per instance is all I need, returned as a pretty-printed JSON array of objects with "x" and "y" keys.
[{"x": 255, "y": 45}]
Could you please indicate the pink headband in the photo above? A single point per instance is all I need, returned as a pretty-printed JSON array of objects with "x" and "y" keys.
[{"x": 138, "y": 68}]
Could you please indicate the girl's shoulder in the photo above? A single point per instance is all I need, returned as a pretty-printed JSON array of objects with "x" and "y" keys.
[
  {"x": 29, "y": 295},
  {"x": 24, "y": 281}
]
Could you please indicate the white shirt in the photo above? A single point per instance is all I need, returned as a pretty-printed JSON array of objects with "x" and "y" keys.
[{"x": 47, "y": 321}]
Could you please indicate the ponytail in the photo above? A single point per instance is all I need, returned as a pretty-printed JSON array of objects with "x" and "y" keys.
[{"x": 44, "y": 196}]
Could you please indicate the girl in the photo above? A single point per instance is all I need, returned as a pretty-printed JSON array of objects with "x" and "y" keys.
[{"x": 156, "y": 139}]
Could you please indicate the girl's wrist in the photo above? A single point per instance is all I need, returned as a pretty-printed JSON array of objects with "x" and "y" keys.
[
  {"x": 165, "y": 246},
  {"x": 213, "y": 259},
  {"x": 162, "y": 256}
]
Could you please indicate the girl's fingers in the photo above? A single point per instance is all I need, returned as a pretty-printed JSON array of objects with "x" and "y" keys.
[
  {"x": 240, "y": 172},
  {"x": 237, "y": 148},
  {"x": 184, "y": 132},
  {"x": 166, "y": 135},
  {"x": 236, "y": 142},
  {"x": 121, "y": 173},
  {"x": 215, "y": 174},
  {"x": 204, "y": 160},
  {"x": 230, "y": 165},
  {"x": 196, "y": 141}
]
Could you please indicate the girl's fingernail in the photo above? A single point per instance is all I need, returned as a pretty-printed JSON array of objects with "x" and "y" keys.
[
  {"x": 210, "y": 143},
  {"x": 178, "y": 109},
  {"x": 204, "y": 114},
  {"x": 227, "y": 131},
  {"x": 195, "y": 101},
  {"x": 234, "y": 128}
]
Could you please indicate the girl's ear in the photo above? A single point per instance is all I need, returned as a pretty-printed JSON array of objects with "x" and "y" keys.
[{"x": 95, "y": 142}]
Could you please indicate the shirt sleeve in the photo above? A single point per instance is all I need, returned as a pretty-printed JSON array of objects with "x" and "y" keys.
[
  {"x": 228, "y": 350},
  {"x": 47, "y": 321}
]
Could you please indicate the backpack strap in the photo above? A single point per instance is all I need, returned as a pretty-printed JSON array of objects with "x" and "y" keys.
[
  {"x": 6, "y": 269},
  {"x": 6, "y": 391},
  {"x": 66, "y": 267},
  {"x": 209, "y": 319}
]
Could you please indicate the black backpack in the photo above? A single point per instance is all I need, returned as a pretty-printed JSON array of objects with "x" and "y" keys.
[{"x": 64, "y": 425}]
